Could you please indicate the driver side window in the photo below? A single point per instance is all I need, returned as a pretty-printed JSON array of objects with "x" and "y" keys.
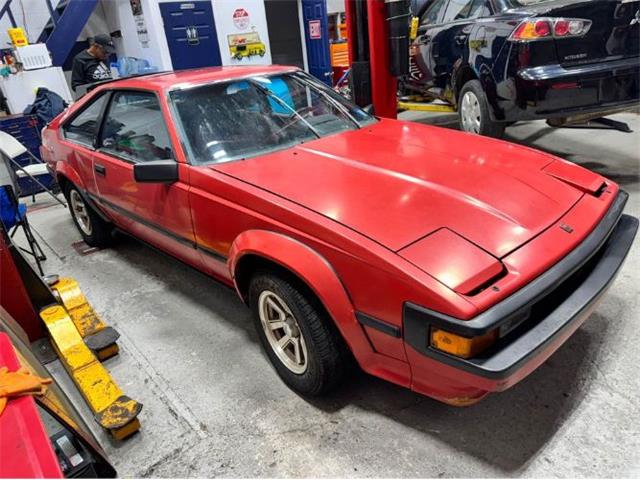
[{"x": 134, "y": 128}]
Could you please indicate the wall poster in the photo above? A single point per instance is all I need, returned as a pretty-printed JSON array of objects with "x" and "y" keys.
[
  {"x": 141, "y": 25},
  {"x": 242, "y": 32}
]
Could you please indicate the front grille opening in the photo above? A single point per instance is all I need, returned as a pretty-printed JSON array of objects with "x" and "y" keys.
[{"x": 542, "y": 308}]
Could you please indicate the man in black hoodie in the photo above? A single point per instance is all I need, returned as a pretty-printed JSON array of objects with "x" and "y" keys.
[{"x": 89, "y": 65}]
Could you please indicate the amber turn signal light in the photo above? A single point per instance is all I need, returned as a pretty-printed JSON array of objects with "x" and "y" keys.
[{"x": 461, "y": 346}]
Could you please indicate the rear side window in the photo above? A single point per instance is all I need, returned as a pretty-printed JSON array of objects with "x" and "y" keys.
[
  {"x": 432, "y": 14},
  {"x": 461, "y": 9},
  {"x": 84, "y": 127},
  {"x": 134, "y": 128}
]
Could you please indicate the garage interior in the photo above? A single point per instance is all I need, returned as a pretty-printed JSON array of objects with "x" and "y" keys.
[
  {"x": 214, "y": 408},
  {"x": 188, "y": 351}
]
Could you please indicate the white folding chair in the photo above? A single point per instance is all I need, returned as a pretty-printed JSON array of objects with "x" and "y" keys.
[
  {"x": 14, "y": 214},
  {"x": 12, "y": 148}
]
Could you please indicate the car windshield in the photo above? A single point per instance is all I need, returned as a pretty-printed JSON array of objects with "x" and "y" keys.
[{"x": 253, "y": 116}]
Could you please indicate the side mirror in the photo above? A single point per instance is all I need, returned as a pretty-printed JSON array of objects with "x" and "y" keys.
[
  {"x": 157, "y": 171},
  {"x": 369, "y": 109}
]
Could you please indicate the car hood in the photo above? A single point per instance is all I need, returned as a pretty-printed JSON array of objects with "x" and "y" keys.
[{"x": 396, "y": 182}]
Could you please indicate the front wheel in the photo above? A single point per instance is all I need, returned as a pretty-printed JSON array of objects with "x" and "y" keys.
[
  {"x": 473, "y": 112},
  {"x": 297, "y": 335},
  {"x": 94, "y": 230}
]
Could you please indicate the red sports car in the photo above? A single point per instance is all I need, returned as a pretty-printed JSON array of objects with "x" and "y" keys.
[{"x": 444, "y": 262}]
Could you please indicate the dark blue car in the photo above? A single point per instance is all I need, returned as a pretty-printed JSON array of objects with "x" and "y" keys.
[{"x": 502, "y": 61}]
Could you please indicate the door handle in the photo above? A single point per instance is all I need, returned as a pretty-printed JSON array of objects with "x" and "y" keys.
[{"x": 100, "y": 169}]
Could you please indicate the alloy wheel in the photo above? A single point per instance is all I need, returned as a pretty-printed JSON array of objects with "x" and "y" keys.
[
  {"x": 79, "y": 209},
  {"x": 283, "y": 332}
]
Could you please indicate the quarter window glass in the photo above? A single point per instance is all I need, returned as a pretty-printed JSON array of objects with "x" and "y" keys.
[
  {"x": 433, "y": 13},
  {"x": 135, "y": 129},
  {"x": 84, "y": 127},
  {"x": 461, "y": 9}
]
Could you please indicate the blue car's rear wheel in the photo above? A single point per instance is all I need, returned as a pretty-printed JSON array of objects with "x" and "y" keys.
[{"x": 473, "y": 112}]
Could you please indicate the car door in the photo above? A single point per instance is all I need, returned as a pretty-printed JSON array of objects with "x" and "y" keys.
[
  {"x": 134, "y": 130},
  {"x": 452, "y": 48},
  {"x": 422, "y": 50},
  {"x": 443, "y": 36},
  {"x": 79, "y": 135}
]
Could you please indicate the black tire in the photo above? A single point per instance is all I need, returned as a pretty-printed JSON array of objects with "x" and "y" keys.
[
  {"x": 476, "y": 118},
  {"x": 94, "y": 230},
  {"x": 326, "y": 358}
]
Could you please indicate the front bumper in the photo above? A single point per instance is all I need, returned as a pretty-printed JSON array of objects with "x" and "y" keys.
[
  {"x": 555, "y": 304},
  {"x": 554, "y": 91}
]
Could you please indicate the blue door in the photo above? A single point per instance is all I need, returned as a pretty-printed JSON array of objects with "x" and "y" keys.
[
  {"x": 191, "y": 34},
  {"x": 317, "y": 39}
]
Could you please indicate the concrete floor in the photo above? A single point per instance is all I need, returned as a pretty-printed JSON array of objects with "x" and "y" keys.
[{"x": 213, "y": 406}]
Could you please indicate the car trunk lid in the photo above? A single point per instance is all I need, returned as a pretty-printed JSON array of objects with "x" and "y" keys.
[{"x": 614, "y": 32}]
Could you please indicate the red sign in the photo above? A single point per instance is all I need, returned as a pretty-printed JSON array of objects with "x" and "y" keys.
[
  {"x": 315, "y": 30},
  {"x": 241, "y": 19}
]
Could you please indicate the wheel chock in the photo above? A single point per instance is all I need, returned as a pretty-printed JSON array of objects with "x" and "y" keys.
[
  {"x": 87, "y": 321},
  {"x": 113, "y": 410}
]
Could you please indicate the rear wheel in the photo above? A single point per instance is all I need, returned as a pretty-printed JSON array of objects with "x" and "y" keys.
[
  {"x": 94, "y": 230},
  {"x": 473, "y": 112},
  {"x": 294, "y": 330}
]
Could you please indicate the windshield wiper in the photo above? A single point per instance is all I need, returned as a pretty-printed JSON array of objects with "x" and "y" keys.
[
  {"x": 327, "y": 96},
  {"x": 284, "y": 104}
]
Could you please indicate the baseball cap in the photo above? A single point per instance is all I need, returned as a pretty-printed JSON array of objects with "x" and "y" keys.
[{"x": 105, "y": 42}]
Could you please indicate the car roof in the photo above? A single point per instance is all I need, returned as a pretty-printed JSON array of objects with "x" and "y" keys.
[{"x": 167, "y": 80}]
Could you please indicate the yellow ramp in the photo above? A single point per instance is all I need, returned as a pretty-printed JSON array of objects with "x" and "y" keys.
[{"x": 112, "y": 409}]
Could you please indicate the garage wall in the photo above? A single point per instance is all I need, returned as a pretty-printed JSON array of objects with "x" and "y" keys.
[
  {"x": 118, "y": 16},
  {"x": 335, "y": 6},
  {"x": 36, "y": 16},
  {"x": 223, "y": 13},
  {"x": 112, "y": 15},
  {"x": 33, "y": 20}
]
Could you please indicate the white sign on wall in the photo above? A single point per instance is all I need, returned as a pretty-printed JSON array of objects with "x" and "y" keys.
[
  {"x": 141, "y": 25},
  {"x": 243, "y": 37},
  {"x": 241, "y": 19},
  {"x": 315, "y": 29}
]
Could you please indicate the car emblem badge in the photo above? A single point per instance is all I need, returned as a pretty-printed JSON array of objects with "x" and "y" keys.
[{"x": 566, "y": 228}]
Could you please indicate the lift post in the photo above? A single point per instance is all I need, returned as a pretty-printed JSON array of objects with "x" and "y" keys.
[
  {"x": 378, "y": 51},
  {"x": 384, "y": 86}
]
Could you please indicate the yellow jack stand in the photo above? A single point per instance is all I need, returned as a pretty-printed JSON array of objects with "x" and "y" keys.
[
  {"x": 97, "y": 336},
  {"x": 113, "y": 410}
]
